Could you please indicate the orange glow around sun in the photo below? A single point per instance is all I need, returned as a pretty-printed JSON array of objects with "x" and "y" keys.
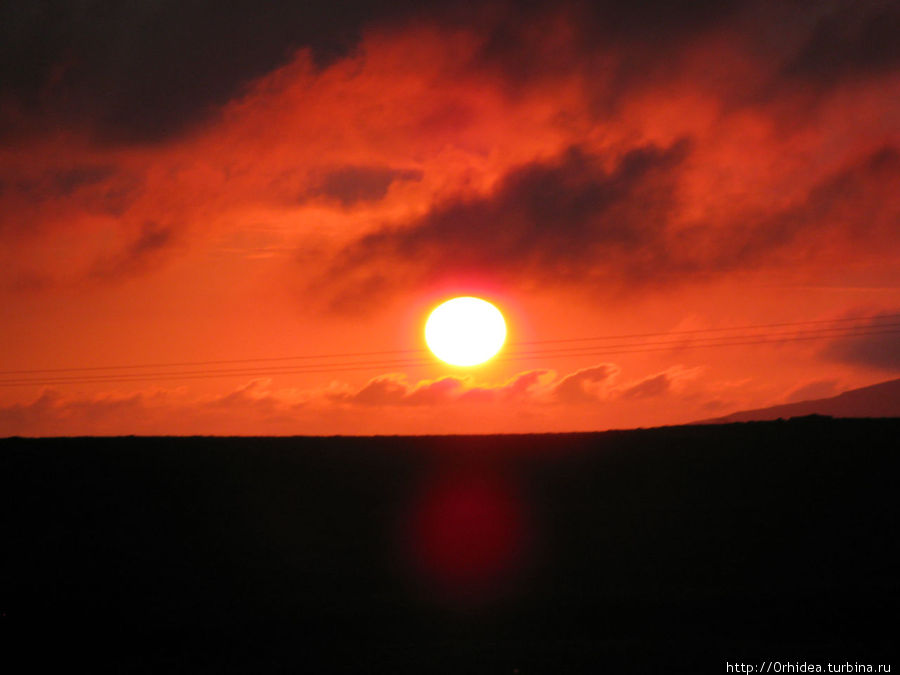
[{"x": 465, "y": 331}]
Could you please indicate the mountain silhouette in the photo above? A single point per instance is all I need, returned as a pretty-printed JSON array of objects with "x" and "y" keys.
[{"x": 877, "y": 400}]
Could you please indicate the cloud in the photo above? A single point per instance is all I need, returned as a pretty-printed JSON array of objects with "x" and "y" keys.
[
  {"x": 151, "y": 242},
  {"x": 650, "y": 387},
  {"x": 592, "y": 385},
  {"x": 255, "y": 394},
  {"x": 393, "y": 389},
  {"x": 62, "y": 182},
  {"x": 856, "y": 202},
  {"x": 585, "y": 385},
  {"x": 257, "y": 407},
  {"x": 564, "y": 219},
  {"x": 659, "y": 384},
  {"x": 879, "y": 349},
  {"x": 525, "y": 386},
  {"x": 52, "y": 413},
  {"x": 852, "y": 41},
  {"x": 530, "y": 400},
  {"x": 35, "y": 193},
  {"x": 145, "y": 72},
  {"x": 252, "y": 407},
  {"x": 618, "y": 46},
  {"x": 617, "y": 147},
  {"x": 350, "y": 185},
  {"x": 570, "y": 220}
]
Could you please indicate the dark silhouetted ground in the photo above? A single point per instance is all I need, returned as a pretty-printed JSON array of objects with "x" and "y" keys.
[{"x": 664, "y": 550}]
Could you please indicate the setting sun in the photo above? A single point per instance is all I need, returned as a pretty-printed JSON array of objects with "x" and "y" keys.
[{"x": 465, "y": 331}]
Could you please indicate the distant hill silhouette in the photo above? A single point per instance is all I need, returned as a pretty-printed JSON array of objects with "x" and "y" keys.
[{"x": 878, "y": 400}]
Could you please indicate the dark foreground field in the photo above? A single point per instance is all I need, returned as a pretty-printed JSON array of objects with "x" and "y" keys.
[{"x": 664, "y": 550}]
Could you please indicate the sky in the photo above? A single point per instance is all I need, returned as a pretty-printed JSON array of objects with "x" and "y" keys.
[{"x": 194, "y": 193}]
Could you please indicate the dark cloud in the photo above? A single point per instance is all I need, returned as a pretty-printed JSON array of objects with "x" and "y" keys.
[
  {"x": 74, "y": 190},
  {"x": 879, "y": 348},
  {"x": 654, "y": 20},
  {"x": 620, "y": 48},
  {"x": 644, "y": 35},
  {"x": 33, "y": 191},
  {"x": 59, "y": 183},
  {"x": 856, "y": 204},
  {"x": 151, "y": 241},
  {"x": 65, "y": 182},
  {"x": 559, "y": 220},
  {"x": 854, "y": 40},
  {"x": 353, "y": 184},
  {"x": 143, "y": 71},
  {"x": 570, "y": 220}
]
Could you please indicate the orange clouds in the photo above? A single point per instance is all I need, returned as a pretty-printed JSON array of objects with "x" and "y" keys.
[
  {"x": 383, "y": 404},
  {"x": 411, "y": 139}
]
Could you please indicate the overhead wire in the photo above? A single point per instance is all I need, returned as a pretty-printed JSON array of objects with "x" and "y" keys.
[
  {"x": 307, "y": 357},
  {"x": 698, "y": 342},
  {"x": 722, "y": 329},
  {"x": 96, "y": 374}
]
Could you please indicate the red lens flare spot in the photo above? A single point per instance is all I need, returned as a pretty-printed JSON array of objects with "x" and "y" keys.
[{"x": 469, "y": 535}]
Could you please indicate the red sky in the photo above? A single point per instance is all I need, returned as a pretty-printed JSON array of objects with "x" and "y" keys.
[{"x": 184, "y": 186}]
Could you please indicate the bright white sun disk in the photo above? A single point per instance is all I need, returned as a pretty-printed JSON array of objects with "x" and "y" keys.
[{"x": 465, "y": 331}]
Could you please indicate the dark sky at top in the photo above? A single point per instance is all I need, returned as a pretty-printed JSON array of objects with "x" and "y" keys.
[{"x": 144, "y": 71}]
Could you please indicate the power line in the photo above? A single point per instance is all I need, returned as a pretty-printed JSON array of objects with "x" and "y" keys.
[
  {"x": 822, "y": 332},
  {"x": 625, "y": 348},
  {"x": 696, "y": 342},
  {"x": 720, "y": 330},
  {"x": 311, "y": 357}
]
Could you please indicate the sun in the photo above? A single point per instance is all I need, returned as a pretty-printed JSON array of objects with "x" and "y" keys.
[{"x": 465, "y": 331}]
